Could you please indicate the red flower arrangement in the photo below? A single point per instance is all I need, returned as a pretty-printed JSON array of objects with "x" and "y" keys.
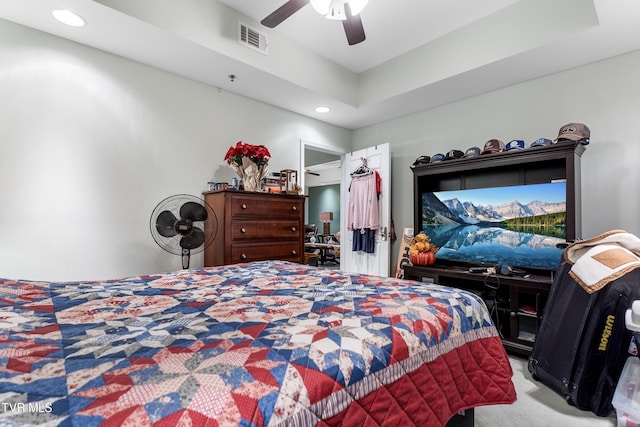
[
  {"x": 250, "y": 163},
  {"x": 258, "y": 154}
]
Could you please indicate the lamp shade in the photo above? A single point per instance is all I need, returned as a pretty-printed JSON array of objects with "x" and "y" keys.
[{"x": 326, "y": 216}]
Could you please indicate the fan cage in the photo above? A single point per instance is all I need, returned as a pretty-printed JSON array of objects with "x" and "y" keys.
[{"x": 173, "y": 205}]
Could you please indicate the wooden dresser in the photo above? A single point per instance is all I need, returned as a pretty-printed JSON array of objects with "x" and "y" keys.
[{"x": 255, "y": 226}]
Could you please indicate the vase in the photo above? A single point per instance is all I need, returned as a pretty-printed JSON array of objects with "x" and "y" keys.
[
  {"x": 252, "y": 182},
  {"x": 251, "y": 174}
]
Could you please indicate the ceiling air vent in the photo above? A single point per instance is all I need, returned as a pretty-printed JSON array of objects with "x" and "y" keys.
[{"x": 252, "y": 38}]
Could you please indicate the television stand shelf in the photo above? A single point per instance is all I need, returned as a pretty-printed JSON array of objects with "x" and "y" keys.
[{"x": 516, "y": 303}]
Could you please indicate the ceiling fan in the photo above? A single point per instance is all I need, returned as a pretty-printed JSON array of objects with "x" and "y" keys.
[{"x": 348, "y": 11}]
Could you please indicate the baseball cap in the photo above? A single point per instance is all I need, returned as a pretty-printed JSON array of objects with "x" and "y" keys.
[
  {"x": 422, "y": 160},
  {"x": 493, "y": 146},
  {"x": 437, "y": 158},
  {"x": 541, "y": 142},
  {"x": 574, "y": 132},
  {"x": 472, "y": 152},
  {"x": 515, "y": 144},
  {"x": 453, "y": 154}
]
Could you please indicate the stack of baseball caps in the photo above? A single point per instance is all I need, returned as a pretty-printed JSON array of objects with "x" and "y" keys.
[
  {"x": 515, "y": 144},
  {"x": 454, "y": 154},
  {"x": 541, "y": 142},
  {"x": 451, "y": 155},
  {"x": 472, "y": 152},
  {"x": 439, "y": 157},
  {"x": 422, "y": 160},
  {"x": 570, "y": 132},
  {"x": 493, "y": 146},
  {"x": 574, "y": 132}
]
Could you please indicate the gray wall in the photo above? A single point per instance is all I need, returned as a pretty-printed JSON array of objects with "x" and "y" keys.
[
  {"x": 325, "y": 198},
  {"x": 604, "y": 95},
  {"x": 91, "y": 142}
]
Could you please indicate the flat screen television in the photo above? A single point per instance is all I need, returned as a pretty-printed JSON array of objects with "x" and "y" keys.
[{"x": 518, "y": 226}]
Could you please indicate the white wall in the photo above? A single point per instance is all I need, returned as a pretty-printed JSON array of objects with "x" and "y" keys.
[
  {"x": 603, "y": 95},
  {"x": 91, "y": 142}
]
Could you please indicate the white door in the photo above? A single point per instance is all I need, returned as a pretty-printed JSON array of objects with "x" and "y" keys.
[{"x": 376, "y": 263}]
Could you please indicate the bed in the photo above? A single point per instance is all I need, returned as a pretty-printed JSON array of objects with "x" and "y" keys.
[{"x": 264, "y": 343}]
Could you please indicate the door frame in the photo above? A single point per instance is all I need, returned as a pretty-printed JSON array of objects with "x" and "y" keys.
[{"x": 323, "y": 148}]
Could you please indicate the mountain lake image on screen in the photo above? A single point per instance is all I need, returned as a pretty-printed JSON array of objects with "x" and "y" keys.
[{"x": 513, "y": 225}]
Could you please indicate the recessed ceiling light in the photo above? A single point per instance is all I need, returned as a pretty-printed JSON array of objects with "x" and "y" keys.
[
  {"x": 68, "y": 17},
  {"x": 323, "y": 109}
]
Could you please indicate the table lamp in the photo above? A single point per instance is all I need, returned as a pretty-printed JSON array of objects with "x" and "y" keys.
[{"x": 326, "y": 218}]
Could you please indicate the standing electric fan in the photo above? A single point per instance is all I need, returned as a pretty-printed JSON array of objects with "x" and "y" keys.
[{"x": 183, "y": 224}]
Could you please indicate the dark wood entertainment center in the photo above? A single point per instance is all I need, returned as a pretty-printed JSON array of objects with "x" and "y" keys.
[{"x": 516, "y": 302}]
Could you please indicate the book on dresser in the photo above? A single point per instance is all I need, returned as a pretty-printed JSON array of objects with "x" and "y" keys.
[{"x": 254, "y": 226}]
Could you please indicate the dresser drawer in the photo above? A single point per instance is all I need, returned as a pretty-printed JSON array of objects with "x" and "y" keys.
[
  {"x": 255, "y": 206},
  {"x": 270, "y": 230},
  {"x": 256, "y": 252}
]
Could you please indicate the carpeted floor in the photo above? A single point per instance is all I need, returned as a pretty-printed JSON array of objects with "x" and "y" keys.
[{"x": 537, "y": 405}]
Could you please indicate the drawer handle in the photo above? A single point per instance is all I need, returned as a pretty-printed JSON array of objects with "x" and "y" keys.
[
  {"x": 243, "y": 230},
  {"x": 293, "y": 252},
  {"x": 243, "y": 256},
  {"x": 243, "y": 206},
  {"x": 294, "y": 208},
  {"x": 293, "y": 229}
]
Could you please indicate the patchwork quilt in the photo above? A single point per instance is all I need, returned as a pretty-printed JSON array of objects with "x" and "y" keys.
[{"x": 267, "y": 343}]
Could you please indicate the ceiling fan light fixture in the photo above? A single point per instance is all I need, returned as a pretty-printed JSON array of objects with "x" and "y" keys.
[
  {"x": 336, "y": 10},
  {"x": 357, "y": 6},
  {"x": 331, "y": 9},
  {"x": 321, "y": 6}
]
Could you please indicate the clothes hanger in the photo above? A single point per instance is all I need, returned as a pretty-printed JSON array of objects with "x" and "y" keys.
[{"x": 362, "y": 170}]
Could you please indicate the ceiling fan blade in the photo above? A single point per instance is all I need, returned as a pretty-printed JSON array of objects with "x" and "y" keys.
[
  {"x": 165, "y": 224},
  {"x": 283, "y": 12},
  {"x": 353, "y": 27},
  {"x": 193, "y": 211},
  {"x": 193, "y": 240}
]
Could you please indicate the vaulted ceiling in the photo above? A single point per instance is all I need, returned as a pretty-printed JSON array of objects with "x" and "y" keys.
[{"x": 417, "y": 54}]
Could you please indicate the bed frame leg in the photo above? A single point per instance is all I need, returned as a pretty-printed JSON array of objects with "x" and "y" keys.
[{"x": 462, "y": 419}]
